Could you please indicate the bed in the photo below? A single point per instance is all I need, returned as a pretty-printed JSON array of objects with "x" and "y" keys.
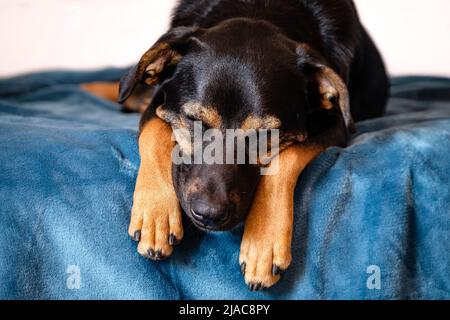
[{"x": 372, "y": 221}]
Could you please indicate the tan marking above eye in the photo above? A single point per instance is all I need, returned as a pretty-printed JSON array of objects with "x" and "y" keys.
[
  {"x": 168, "y": 116},
  {"x": 256, "y": 123},
  {"x": 179, "y": 126},
  {"x": 207, "y": 114}
]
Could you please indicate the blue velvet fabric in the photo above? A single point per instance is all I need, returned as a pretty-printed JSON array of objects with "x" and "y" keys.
[{"x": 68, "y": 164}]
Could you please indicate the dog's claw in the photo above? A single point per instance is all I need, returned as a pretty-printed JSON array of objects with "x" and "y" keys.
[
  {"x": 255, "y": 287},
  {"x": 159, "y": 255},
  {"x": 276, "y": 270},
  {"x": 243, "y": 266},
  {"x": 151, "y": 254},
  {"x": 173, "y": 241},
  {"x": 137, "y": 236}
]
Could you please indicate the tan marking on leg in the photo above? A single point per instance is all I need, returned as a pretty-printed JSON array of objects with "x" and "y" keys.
[
  {"x": 266, "y": 244},
  {"x": 105, "y": 90},
  {"x": 137, "y": 102},
  {"x": 156, "y": 213}
]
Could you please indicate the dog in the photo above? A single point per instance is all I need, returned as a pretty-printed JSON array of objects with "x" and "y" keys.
[{"x": 306, "y": 68}]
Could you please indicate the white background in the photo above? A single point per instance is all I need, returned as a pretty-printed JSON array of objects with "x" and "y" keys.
[{"x": 82, "y": 34}]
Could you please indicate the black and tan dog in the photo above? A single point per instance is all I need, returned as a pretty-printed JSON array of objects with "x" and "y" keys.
[{"x": 305, "y": 67}]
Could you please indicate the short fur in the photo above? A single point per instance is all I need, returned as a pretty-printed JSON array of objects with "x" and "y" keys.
[{"x": 306, "y": 67}]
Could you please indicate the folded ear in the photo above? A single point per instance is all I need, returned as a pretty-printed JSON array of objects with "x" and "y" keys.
[
  {"x": 333, "y": 91},
  {"x": 167, "y": 51}
]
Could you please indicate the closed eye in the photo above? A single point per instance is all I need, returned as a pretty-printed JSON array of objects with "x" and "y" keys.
[
  {"x": 190, "y": 117},
  {"x": 209, "y": 116}
]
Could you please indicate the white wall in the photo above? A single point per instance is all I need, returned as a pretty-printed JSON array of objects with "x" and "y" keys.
[
  {"x": 413, "y": 35},
  {"x": 83, "y": 34}
]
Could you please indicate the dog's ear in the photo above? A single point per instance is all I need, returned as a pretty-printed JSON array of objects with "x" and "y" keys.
[
  {"x": 167, "y": 51},
  {"x": 332, "y": 90}
]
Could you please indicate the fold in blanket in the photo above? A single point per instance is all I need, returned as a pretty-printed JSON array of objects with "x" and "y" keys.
[{"x": 372, "y": 221}]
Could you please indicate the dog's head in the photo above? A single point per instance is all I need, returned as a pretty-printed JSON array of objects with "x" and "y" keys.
[{"x": 241, "y": 74}]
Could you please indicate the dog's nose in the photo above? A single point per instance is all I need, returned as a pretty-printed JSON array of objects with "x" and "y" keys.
[{"x": 209, "y": 213}]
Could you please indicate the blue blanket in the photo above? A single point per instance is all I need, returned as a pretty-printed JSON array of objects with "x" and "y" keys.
[{"x": 372, "y": 221}]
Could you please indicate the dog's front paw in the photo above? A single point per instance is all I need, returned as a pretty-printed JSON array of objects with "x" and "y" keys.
[
  {"x": 265, "y": 251},
  {"x": 156, "y": 222}
]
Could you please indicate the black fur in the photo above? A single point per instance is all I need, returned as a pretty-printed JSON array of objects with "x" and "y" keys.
[
  {"x": 331, "y": 27},
  {"x": 242, "y": 57}
]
